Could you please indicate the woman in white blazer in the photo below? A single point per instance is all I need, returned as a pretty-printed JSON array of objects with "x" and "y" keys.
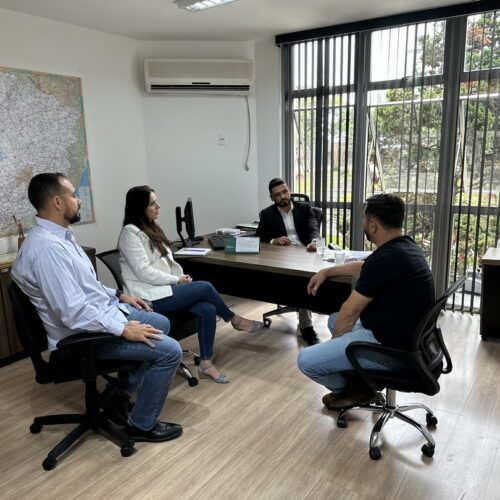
[{"x": 150, "y": 271}]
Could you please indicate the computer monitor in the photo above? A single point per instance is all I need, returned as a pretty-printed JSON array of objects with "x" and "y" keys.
[{"x": 188, "y": 220}]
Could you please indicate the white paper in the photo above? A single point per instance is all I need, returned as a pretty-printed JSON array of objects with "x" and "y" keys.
[
  {"x": 248, "y": 244},
  {"x": 192, "y": 251},
  {"x": 350, "y": 256}
]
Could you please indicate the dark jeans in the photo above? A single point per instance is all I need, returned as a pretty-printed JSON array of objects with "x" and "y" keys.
[
  {"x": 203, "y": 300},
  {"x": 154, "y": 375}
]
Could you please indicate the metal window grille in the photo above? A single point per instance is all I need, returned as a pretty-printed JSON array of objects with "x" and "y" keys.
[{"x": 425, "y": 114}]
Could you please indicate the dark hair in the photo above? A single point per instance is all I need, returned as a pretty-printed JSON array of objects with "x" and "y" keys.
[
  {"x": 388, "y": 208},
  {"x": 275, "y": 182},
  {"x": 43, "y": 187},
  {"x": 136, "y": 203}
]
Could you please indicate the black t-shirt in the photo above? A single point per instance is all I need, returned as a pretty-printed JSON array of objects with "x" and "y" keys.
[{"x": 396, "y": 276}]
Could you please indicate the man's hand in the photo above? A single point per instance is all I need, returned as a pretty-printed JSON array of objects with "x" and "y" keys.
[
  {"x": 138, "y": 332},
  {"x": 316, "y": 281},
  {"x": 311, "y": 247},
  {"x": 135, "y": 301},
  {"x": 282, "y": 240},
  {"x": 185, "y": 278}
]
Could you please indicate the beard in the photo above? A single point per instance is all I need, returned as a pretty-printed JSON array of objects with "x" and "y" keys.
[
  {"x": 283, "y": 203},
  {"x": 75, "y": 218}
]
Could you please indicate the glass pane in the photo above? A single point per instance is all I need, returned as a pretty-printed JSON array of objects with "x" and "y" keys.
[
  {"x": 408, "y": 51},
  {"x": 482, "y": 51}
]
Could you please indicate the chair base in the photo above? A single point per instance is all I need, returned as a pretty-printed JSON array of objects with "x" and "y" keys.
[
  {"x": 386, "y": 405},
  {"x": 279, "y": 310},
  {"x": 85, "y": 423},
  {"x": 185, "y": 372}
]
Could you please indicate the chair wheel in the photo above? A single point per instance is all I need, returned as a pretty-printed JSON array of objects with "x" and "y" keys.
[
  {"x": 35, "y": 428},
  {"x": 341, "y": 423},
  {"x": 375, "y": 453},
  {"x": 267, "y": 322},
  {"x": 127, "y": 450},
  {"x": 197, "y": 361},
  {"x": 431, "y": 420},
  {"x": 192, "y": 381},
  {"x": 428, "y": 450},
  {"x": 49, "y": 463}
]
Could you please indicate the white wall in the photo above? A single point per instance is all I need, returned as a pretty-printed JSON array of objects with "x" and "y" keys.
[
  {"x": 183, "y": 155},
  {"x": 268, "y": 88},
  {"x": 169, "y": 142},
  {"x": 113, "y": 111}
]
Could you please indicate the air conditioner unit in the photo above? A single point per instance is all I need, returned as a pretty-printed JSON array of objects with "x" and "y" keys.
[{"x": 201, "y": 76}]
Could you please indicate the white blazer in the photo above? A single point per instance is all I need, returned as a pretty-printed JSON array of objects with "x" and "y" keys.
[{"x": 145, "y": 272}]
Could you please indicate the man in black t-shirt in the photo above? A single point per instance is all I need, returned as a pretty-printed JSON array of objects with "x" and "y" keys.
[{"x": 394, "y": 289}]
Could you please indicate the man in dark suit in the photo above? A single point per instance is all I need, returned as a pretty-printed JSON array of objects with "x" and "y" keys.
[{"x": 288, "y": 223}]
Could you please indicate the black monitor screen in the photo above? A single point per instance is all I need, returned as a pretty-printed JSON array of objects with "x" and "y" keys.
[{"x": 189, "y": 220}]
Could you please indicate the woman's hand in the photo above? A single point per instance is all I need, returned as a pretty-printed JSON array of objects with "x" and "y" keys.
[{"x": 185, "y": 278}]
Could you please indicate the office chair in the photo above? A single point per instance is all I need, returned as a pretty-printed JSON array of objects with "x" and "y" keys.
[
  {"x": 423, "y": 366},
  {"x": 318, "y": 214},
  {"x": 182, "y": 324},
  {"x": 73, "y": 360}
]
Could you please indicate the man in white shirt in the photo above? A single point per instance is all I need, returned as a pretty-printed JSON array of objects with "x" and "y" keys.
[
  {"x": 59, "y": 279},
  {"x": 287, "y": 223}
]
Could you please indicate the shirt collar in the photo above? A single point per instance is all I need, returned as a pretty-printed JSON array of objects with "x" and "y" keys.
[{"x": 55, "y": 229}]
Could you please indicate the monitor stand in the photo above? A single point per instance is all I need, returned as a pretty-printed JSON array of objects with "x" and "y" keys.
[{"x": 186, "y": 242}]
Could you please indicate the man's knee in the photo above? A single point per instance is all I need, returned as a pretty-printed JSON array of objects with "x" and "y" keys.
[
  {"x": 170, "y": 348},
  {"x": 304, "y": 360}
]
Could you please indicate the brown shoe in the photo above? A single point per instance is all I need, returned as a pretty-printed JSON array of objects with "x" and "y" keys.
[{"x": 347, "y": 399}]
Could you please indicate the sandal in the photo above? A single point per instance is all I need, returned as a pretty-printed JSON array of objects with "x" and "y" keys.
[
  {"x": 256, "y": 326},
  {"x": 221, "y": 379}
]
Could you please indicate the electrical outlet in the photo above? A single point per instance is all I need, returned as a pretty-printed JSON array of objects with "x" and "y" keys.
[{"x": 221, "y": 140}]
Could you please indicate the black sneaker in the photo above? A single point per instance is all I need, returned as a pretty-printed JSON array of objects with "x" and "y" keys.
[
  {"x": 162, "y": 431},
  {"x": 115, "y": 404},
  {"x": 309, "y": 336}
]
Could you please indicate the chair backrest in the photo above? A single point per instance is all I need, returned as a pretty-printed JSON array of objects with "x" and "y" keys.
[
  {"x": 110, "y": 260},
  {"x": 428, "y": 339},
  {"x": 30, "y": 331},
  {"x": 422, "y": 364},
  {"x": 299, "y": 197},
  {"x": 318, "y": 213}
]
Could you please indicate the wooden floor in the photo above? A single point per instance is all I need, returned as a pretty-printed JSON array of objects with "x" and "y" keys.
[{"x": 266, "y": 434}]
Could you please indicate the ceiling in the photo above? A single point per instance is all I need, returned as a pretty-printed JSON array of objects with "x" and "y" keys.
[{"x": 243, "y": 20}]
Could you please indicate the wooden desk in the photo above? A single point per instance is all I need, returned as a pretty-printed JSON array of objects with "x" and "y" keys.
[
  {"x": 277, "y": 274},
  {"x": 10, "y": 347},
  {"x": 490, "y": 295}
]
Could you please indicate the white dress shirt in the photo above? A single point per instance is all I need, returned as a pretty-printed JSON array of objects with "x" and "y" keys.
[
  {"x": 145, "y": 272},
  {"x": 60, "y": 281},
  {"x": 291, "y": 232}
]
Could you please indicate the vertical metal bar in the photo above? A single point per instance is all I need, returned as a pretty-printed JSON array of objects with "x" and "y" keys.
[
  {"x": 453, "y": 61},
  {"x": 333, "y": 42},
  {"x": 319, "y": 121},
  {"x": 287, "y": 110},
  {"x": 361, "y": 79}
]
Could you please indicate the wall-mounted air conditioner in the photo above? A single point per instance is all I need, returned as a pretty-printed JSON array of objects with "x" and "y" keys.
[{"x": 206, "y": 76}]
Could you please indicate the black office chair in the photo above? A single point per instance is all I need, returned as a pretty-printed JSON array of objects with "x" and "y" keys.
[
  {"x": 423, "y": 366},
  {"x": 318, "y": 214},
  {"x": 73, "y": 360},
  {"x": 182, "y": 324}
]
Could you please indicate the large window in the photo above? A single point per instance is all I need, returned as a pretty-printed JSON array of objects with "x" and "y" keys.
[{"x": 413, "y": 110}]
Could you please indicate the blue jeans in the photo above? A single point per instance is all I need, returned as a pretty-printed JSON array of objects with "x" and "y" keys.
[
  {"x": 203, "y": 300},
  {"x": 323, "y": 362},
  {"x": 154, "y": 375}
]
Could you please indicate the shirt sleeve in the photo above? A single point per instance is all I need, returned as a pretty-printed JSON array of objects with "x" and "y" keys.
[
  {"x": 132, "y": 249},
  {"x": 67, "y": 301}
]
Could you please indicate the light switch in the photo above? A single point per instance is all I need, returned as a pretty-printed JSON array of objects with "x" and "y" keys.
[{"x": 221, "y": 140}]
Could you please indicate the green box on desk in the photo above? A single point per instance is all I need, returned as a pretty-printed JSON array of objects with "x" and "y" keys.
[{"x": 241, "y": 244}]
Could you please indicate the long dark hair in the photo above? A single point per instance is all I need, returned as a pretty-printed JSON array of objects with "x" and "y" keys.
[{"x": 136, "y": 203}]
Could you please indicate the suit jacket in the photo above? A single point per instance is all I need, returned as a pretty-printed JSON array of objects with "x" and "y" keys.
[
  {"x": 145, "y": 272},
  {"x": 271, "y": 223}
]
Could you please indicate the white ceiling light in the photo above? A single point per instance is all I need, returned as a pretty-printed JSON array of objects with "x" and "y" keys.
[{"x": 197, "y": 5}]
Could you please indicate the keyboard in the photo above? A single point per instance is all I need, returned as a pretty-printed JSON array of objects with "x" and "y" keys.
[{"x": 216, "y": 241}]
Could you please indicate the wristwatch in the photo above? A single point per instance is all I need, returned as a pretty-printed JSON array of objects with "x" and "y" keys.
[{"x": 118, "y": 293}]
